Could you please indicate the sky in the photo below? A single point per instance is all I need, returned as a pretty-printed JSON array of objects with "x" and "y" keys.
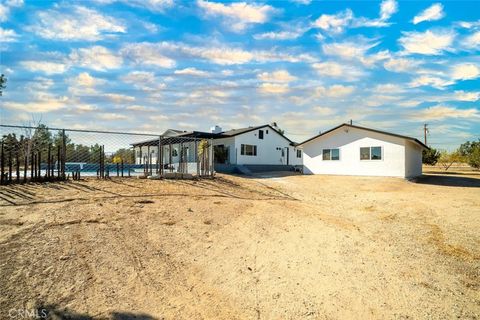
[{"x": 150, "y": 65}]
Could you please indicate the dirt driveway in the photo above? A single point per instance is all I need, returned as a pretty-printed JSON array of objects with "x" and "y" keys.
[{"x": 296, "y": 247}]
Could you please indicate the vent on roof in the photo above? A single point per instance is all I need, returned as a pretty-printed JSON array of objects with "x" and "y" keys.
[{"x": 215, "y": 129}]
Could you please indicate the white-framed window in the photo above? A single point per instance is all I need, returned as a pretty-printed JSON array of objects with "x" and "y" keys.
[
  {"x": 299, "y": 153},
  {"x": 371, "y": 153},
  {"x": 248, "y": 150},
  {"x": 331, "y": 154}
]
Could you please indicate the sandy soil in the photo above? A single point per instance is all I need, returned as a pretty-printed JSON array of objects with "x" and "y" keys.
[{"x": 294, "y": 247}]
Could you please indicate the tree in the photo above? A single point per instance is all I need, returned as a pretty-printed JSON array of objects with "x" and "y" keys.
[
  {"x": 447, "y": 159},
  {"x": 42, "y": 138},
  {"x": 3, "y": 82},
  {"x": 430, "y": 156},
  {"x": 125, "y": 155},
  {"x": 474, "y": 157},
  {"x": 467, "y": 147}
]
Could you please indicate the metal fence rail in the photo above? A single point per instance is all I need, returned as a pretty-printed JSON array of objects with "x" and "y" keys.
[{"x": 35, "y": 154}]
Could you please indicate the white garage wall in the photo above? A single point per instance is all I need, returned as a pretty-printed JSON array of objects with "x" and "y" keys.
[
  {"x": 413, "y": 160},
  {"x": 349, "y": 140}
]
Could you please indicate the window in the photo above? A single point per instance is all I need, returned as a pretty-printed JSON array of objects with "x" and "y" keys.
[
  {"x": 174, "y": 152},
  {"x": 331, "y": 154},
  {"x": 248, "y": 150},
  {"x": 371, "y": 153},
  {"x": 266, "y": 131},
  {"x": 299, "y": 153},
  {"x": 260, "y": 134}
]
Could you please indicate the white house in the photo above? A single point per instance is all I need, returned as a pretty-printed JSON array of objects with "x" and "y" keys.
[
  {"x": 260, "y": 145},
  {"x": 353, "y": 150}
]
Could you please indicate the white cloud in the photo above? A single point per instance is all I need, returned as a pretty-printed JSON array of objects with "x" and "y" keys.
[
  {"x": 472, "y": 41},
  {"x": 44, "y": 103},
  {"x": 111, "y": 116},
  {"x": 440, "y": 112},
  {"x": 280, "y": 35},
  {"x": 324, "y": 111},
  {"x": 138, "y": 77},
  {"x": 239, "y": 15},
  {"x": 401, "y": 65},
  {"x": 334, "y": 91},
  {"x": 147, "y": 54},
  {"x": 276, "y": 76},
  {"x": 81, "y": 24},
  {"x": 152, "y": 5},
  {"x": 432, "y": 13},
  {"x": 356, "y": 50},
  {"x": 44, "y": 66},
  {"x": 334, "y": 23},
  {"x": 191, "y": 72},
  {"x": 5, "y": 9},
  {"x": 273, "y": 88},
  {"x": 338, "y": 70},
  {"x": 96, "y": 58},
  {"x": 471, "y": 96},
  {"x": 428, "y": 42},
  {"x": 143, "y": 80},
  {"x": 427, "y": 80},
  {"x": 8, "y": 35},
  {"x": 119, "y": 98},
  {"x": 387, "y": 9},
  {"x": 304, "y": 2},
  {"x": 159, "y": 53},
  {"x": 465, "y": 71},
  {"x": 139, "y": 108},
  {"x": 84, "y": 84},
  {"x": 86, "y": 80},
  {"x": 85, "y": 108}
]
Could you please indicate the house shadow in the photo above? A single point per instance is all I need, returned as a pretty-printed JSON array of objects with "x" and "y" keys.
[
  {"x": 53, "y": 312},
  {"x": 448, "y": 180}
]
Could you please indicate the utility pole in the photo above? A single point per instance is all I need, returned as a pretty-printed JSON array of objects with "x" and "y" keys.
[{"x": 425, "y": 131}]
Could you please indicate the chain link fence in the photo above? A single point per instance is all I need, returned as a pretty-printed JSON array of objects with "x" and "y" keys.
[{"x": 34, "y": 154}]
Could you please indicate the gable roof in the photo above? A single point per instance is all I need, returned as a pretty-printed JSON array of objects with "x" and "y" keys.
[
  {"x": 367, "y": 129},
  {"x": 236, "y": 132}
]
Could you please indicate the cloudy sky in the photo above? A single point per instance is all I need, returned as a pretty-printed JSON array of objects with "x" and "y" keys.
[{"x": 149, "y": 65}]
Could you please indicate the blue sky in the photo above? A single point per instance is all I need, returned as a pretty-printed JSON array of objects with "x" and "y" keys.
[{"x": 149, "y": 65}]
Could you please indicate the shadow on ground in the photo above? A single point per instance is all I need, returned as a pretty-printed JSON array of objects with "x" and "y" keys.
[
  {"x": 449, "y": 180},
  {"x": 53, "y": 312}
]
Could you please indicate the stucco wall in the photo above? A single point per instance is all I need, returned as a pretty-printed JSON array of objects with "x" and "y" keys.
[
  {"x": 413, "y": 160},
  {"x": 349, "y": 140},
  {"x": 267, "y": 152}
]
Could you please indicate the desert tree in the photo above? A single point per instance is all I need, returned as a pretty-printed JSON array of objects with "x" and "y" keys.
[{"x": 430, "y": 156}]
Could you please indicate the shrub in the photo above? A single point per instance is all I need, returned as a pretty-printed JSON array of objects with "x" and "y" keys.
[
  {"x": 474, "y": 157},
  {"x": 430, "y": 156}
]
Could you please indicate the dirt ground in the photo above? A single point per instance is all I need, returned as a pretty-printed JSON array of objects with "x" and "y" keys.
[{"x": 268, "y": 247}]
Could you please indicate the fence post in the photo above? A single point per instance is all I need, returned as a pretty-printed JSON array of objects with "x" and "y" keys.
[
  {"x": 39, "y": 165},
  {"x": 160, "y": 155},
  {"x": 196, "y": 156},
  {"x": 212, "y": 158},
  {"x": 17, "y": 164},
  {"x": 48, "y": 159},
  {"x": 64, "y": 153},
  {"x": 2, "y": 170}
]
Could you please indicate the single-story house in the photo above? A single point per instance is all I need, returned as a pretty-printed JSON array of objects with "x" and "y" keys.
[
  {"x": 352, "y": 150},
  {"x": 260, "y": 145}
]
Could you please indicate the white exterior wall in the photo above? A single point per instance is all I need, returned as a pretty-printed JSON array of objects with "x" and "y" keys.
[
  {"x": 413, "y": 160},
  {"x": 230, "y": 144},
  {"x": 349, "y": 140},
  {"x": 166, "y": 156},
  {"x": 267, "y": 152}
]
